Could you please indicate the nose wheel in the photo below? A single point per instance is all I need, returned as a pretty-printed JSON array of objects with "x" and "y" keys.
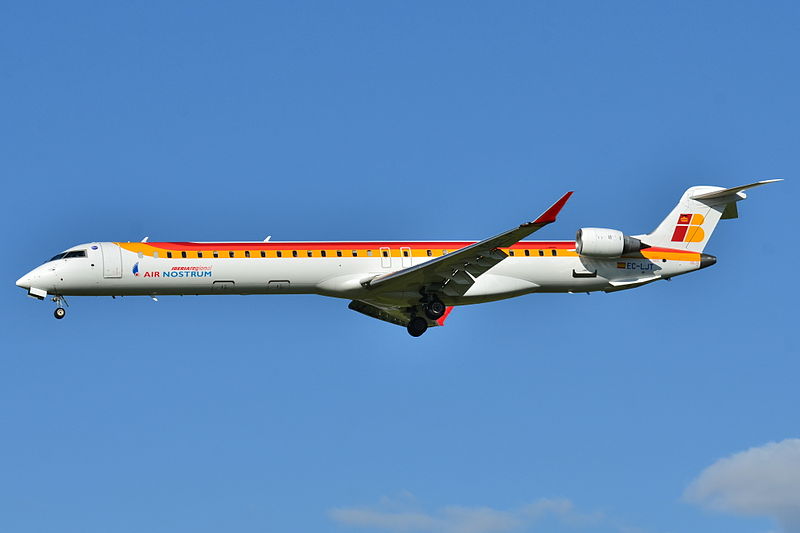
[{"x": 60, "y": 312}]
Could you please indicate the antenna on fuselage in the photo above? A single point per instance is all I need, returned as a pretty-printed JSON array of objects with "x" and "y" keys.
[
  {"x": 268, "y": 238},
  {"x": 145, "y": 239}
]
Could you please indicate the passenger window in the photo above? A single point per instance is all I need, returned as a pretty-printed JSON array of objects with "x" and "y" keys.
[
  {"x": 310, "y": 253},
  {"x": 215, "y": 253},
  {"x": 430, "y": 253},
  {"x": 169, "y": 255},
  {"x": 294, "y": 253},
  {"x": 385, "y": 253},
  {"x": 541, "y": 252},
  {"x": 279, "y": 253},
  {"x": 338, "y": 253},
  {"x": 183, "y": 254},
  {"x": 200, "y": 255},
  {"x": 527, "y": 252},
  {"x": 323, "y": 253},
  {"x": 230, "y": 254},
  {"x": 247, "y": 253},
  {"x": 155, "y": 255},
  {"x": 444, "y": 252},
  {"x": 139, "y": 255},
  {"x": 369, "y": 253},
  {"x": 511, "y": 253},
  {"x": 355, "y": 253},
  {"x": 405, "y": 253},
  {"x": 555, "y": 253},
  {"x": 263, "y": 253}
]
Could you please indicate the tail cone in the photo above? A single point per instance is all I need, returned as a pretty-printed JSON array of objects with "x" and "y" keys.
[{"x": 706, "y": 260}]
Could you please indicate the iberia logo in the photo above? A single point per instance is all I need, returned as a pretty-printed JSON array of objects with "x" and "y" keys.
[
  {"x": 688, "y": 228},
  {"x": 176, "y": 272}
]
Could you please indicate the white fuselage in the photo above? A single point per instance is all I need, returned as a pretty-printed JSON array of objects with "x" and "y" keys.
[{"x": 337, "y": 269}]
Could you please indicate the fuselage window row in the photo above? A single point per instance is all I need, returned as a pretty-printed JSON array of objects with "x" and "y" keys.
[{"x": 295, "y": 253}]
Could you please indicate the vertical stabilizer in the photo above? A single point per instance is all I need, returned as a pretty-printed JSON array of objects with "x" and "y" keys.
[{"x": 692, "y": 221}]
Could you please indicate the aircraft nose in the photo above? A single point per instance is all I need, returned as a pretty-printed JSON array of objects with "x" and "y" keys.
[{"x": 24, "y": 282}]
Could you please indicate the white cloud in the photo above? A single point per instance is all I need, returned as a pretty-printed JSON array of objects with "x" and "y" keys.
[
  {"x": 405, "y": 516},
  {"x": 761, "y": 481}
]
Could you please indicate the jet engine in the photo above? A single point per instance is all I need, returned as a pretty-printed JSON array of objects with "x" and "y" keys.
[{"x": 604, "y": 242}]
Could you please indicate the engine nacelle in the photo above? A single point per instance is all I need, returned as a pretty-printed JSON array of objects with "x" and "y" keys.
[{"x": 604, "y": 242}]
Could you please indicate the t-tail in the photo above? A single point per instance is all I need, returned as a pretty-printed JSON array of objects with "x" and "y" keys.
[{"x": 691, "y": 223}]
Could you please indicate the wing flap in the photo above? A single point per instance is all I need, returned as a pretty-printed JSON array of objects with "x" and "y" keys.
[
  {"x": 387, "y": 315},
  {"x": 400, "y": 317}
]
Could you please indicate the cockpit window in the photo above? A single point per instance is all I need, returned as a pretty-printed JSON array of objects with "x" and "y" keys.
[{"x": 67, "y": 255}]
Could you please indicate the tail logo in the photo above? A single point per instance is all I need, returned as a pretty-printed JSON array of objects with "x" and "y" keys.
[{"x": 689, "y": 228}]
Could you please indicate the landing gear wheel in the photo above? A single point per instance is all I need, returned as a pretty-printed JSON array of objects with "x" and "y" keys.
[
  {"x": 59, "y": 313},
  {"x": 435, "y": 309},
  {"x": 417, "y": 326}
]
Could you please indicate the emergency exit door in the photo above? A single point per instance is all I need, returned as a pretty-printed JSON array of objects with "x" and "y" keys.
[{"x": 386, "y": 258}]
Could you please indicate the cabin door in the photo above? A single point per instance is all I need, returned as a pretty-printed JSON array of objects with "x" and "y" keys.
[{"x": 112, "y": 260}]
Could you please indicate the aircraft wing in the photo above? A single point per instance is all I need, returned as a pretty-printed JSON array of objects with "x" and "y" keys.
[{"x": 454, "y": 273}]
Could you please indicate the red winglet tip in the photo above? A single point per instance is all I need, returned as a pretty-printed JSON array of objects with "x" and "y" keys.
[
  {"x": 550, "y": 215},
  {"x": 441, "y": 319}
]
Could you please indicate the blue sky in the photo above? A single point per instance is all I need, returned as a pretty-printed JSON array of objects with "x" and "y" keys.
[{"x": 390, "y": 120}]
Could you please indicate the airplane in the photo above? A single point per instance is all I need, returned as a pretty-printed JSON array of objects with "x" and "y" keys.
[{"x": 414, "y": 284}]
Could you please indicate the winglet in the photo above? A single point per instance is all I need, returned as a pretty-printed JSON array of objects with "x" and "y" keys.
[{"x": 550, "y": 215}]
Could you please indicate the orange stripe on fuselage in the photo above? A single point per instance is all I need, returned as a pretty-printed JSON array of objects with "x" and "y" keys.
[
  {"x": 341, "y": 245},
  {"x": 418, "y": 248}
]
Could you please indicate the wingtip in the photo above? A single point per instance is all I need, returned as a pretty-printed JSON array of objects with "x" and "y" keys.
[{"x": 550, "y": 215}]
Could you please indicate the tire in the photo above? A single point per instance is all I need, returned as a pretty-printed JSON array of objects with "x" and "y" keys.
[
  {"x": 435, "y": 309},
  {"x": 60, "y": 313},
  {"x": 417, "y": 326}
]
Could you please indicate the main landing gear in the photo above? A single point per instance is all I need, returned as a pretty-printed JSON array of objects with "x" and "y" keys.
[
  {"x": 417, "y": 326},
  {"x": 432, "y": 307},
  {"x": 60, "y": 312}
]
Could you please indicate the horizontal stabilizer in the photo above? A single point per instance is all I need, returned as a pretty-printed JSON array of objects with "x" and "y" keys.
[{"x": 723, "y": 193}]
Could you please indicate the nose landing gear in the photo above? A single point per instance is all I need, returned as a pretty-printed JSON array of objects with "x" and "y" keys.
[{"x": 60, "y": 312}]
